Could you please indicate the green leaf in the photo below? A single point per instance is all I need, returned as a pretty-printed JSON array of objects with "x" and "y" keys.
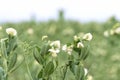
[
  {"x": 72, "y": 67},
  {"x": 56, "y": 63},
  {"x": 49, "y": 68},
  {"x": 12, "y": 61},
  {"x": 79, "y": 72},
  {"x": 85, "y": 53},
  {"x": 3, "y": 48},
  {"x": 1, "y": 74},
  {"x": 12, "y": 45},
  {"x": 40, "y": 74},
  {"x": 78, "y": 50},
  {"x": 45, "y": 48},
  {"x": 38, "y": 48},
  {"x": 39, "y": 58}
]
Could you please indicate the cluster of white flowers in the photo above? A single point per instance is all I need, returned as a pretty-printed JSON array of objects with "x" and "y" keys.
[
  {"x": 77, "y": 39},
  {"x": 11, "y": 31},
  {"x": 107, "y": 33},
  {"x": 55, "y": 48},
  {"x": 87, "y": 36},
  {"x": 68, "y": 49}
]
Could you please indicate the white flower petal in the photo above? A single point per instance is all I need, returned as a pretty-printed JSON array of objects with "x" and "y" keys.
[
  {"x": 86, "y": 71},
  {"x": 64, "y": 48},
  {"x": 44, "y": 37},
  {"x": 80, "y": 45}
]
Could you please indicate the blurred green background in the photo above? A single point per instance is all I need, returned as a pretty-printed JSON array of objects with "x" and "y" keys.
[{"x": 103, "y": 62}]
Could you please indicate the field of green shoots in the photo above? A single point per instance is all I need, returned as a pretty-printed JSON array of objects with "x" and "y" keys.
[{"x": 103, "y": 61}]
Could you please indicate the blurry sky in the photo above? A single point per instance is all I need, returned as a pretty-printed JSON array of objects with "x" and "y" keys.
[{"x": 83, "y": 10}]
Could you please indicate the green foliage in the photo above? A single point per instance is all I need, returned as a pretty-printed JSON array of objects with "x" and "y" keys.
[
  {"x": 38, "y": 56},
  {"x": 2, "y": 74},
  {"x": 12, "y": 61},
  {"x": 102, "y": 62}
]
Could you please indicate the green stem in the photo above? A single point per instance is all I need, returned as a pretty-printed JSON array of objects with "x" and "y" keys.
[
  {"x": 29, "y": 73},
  {"x": 65, "y": 71},
  {"x": 5, "y": 68}
]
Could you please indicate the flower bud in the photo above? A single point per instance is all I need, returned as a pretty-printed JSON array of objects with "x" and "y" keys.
[{"x": 44, "y": 37}]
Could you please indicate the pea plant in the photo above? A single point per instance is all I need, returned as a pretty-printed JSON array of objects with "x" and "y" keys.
[
  {"x": 77, "y": 51},
  {"x": 8, "y": 56},
  {"x": 48, "y": 56}
]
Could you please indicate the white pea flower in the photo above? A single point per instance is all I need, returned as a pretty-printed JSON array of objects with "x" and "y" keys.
[
  {"x": 44, "y": 37},
  {"x": 55, "y": 48},
  {"x": 68, "y": 49},
  {"x": 30, "y": 31},
  {"x": 64, "y": 48},
  {"x": 117, "y": 30},
  {"x": 80, "y": 45},
  {"x": 11, "y": 31},
  {"x": 54, "y": 52},
  {"x": 88, "y": 37},
  {"x": 89, "y": 77},
  {"x": 106, "y": 33},
  {"x": 86, "y": 71},
  {"x": 76, "y": 38},
  {"x": 55, "y": 44}
]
